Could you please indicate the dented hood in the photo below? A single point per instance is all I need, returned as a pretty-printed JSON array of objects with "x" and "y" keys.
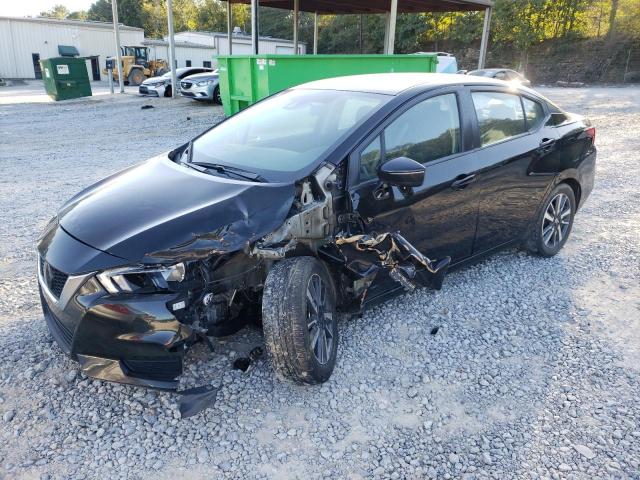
[{"x": 158, "y": 211}]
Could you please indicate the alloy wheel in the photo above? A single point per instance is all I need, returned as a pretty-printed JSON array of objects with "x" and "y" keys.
[
  {"x": 319, "y": 320},
  {"x": 556, "y": 221}
]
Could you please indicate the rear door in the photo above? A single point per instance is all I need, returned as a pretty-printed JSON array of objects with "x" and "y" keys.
[
  {"x": 512, "y": 145},
  {"x": 439, "y": 217}
]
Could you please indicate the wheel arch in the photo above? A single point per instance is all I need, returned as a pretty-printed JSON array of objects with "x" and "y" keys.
[{"x": 575, "y": 186}]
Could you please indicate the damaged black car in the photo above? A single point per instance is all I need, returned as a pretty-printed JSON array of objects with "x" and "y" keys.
[{"x": 324, "y": 198}]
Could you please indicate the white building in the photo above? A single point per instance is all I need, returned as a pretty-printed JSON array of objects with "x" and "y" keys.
[
  {"x": 198, "y": 49},
  {"x": 25, "y": 41}
]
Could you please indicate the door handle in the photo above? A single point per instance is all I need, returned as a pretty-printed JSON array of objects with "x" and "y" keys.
[
  {"x": 546, "y": 144},
  {"x": 463, "y": 182}
]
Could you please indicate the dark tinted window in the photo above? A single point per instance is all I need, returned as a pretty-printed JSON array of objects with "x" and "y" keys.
[
  {"x": 426, "y": 132},
  {"x": 534, "y": 113},
  {"x": 370, "y": 159},
  {"x": 499, "y": 115},
  {"x": 557, "y": 118}
]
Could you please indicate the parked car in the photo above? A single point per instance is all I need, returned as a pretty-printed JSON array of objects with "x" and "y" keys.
[
  {"x": 161, "y": 86},
  {"x": 202, "y": 86},
  {"x": 329, "y": 196},
  {"x": 502, "y": 74}
]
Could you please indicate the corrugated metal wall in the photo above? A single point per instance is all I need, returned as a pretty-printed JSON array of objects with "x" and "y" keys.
[{"x": 19, "y": 39}]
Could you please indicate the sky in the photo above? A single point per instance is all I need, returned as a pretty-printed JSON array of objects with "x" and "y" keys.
[{"x": 24, "y": 8}]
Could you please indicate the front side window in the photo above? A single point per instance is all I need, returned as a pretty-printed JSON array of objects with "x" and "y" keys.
[
  {"x": 427, "y": 131},
  {"x": 287, "y": 132},
  {"x": 534, "y": 113},
  {"x": 499, "y": 115}
]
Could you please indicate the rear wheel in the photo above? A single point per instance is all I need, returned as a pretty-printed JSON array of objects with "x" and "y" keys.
[
  {"x": 554, "y": 223},
  {"x": 136, "y": 77},
  {"x": 167, "y": 91},
  {"x": 299, "y": 320}
]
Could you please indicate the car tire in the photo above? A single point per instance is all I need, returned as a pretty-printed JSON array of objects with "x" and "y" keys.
[
  {"x": 167, "y": 91},
  {"x": 216, "y": 96},
  {"x": 301, "y": 340},
  {"x": 554, "y": 222},
  {"x": 136, "y": 77}
]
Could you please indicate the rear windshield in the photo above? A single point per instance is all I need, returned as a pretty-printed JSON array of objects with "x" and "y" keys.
[{"x": 287, "y": 132}]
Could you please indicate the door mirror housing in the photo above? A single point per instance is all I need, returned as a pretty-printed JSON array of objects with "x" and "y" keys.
[{"x": 402, "y": 172}]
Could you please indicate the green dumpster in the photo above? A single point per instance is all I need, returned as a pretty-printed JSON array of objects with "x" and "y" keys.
[
  {"x": 245, "y": 79},
  {"x": 65, "y": 78}
]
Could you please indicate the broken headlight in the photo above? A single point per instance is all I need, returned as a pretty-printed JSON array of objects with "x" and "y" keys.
[{"x": 141, "y": 279}]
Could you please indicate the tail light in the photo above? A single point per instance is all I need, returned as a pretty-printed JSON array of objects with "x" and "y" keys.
[{"x": 591, "y": 133}]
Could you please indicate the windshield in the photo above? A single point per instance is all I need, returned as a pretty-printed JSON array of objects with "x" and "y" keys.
[
  {"x": 482, "y": 73},
  {"x": 287, "y": 132}
]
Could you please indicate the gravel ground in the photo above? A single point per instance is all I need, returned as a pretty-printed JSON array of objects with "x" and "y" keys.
[{"x": 534, "y": 371}]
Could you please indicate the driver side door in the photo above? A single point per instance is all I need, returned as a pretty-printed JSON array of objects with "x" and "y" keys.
[{"x": 439, "y": 217}]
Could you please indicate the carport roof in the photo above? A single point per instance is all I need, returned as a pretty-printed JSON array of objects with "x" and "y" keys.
[{"x": 376, "y": 6}]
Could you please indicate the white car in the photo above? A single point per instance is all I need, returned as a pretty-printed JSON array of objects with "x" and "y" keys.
[{"x": 161, "y": 86}]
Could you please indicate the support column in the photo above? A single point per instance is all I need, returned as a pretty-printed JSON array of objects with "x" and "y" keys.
[
  {"x": 485, "y": 38},
  {"x": 172, "y": 50},
  {"x": 116, "y": 30},
  {"x": 255, "y": 34},
  {"x": 390, "y": 34},
  {"x": 296, "y": 14},
  {"x": 315, "y": 33},
  {"x": 229, "y": 27}
]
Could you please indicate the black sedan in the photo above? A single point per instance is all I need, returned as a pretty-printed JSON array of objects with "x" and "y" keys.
[{"x": 326, "y": 197}]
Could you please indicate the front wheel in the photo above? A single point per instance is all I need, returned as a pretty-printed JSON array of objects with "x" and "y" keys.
[
  {"x": 554, "y": 223},
  {"x": 299, "y": 320},
  {"x": 217, "y": 99}
]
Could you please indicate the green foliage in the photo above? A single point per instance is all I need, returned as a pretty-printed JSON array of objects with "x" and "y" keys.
[
  {"x": 58, "y": 11},
  {"x": 516, "y": 24}
]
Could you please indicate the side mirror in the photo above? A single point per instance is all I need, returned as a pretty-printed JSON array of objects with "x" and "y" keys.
[{"x": 402, "y": 172}]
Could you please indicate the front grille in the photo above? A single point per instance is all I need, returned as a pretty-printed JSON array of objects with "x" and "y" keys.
[
  {"x": 156, "y": 369},
  {"x": 188, "y": 94},
  {"x": 54, "y": 279},
  {"x": 186, "y": 85},
  {"x": 62, "y": 334}
]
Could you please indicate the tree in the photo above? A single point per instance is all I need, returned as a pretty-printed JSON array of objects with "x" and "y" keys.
[
  {"x": 58, "y": 11},
  {"x": 612, "y": 18},
  {"x": 77, "y": 15},
  {"x": 100, "y": 11}
]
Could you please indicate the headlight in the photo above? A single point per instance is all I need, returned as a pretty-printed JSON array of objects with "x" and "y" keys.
[
  {"x": 141, "y": 279},
  {"x": 205, "y": 82}
]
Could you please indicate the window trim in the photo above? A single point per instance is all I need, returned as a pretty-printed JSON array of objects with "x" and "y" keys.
[{"x": 378, "y": 131}]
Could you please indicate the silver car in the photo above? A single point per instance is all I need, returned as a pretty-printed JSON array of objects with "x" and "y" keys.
[
  {"x": 202, "y": 86},
  {"x": 161, "y": 86}
]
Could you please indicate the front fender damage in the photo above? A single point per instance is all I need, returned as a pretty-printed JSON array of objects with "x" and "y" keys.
[{"x": 227, "y": 266}]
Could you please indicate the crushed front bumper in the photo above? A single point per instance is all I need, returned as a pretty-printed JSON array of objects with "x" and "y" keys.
[{"x": 133, "y": 339}]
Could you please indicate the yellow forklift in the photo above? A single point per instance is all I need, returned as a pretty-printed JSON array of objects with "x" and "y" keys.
[{"x": 136, "y": 65}]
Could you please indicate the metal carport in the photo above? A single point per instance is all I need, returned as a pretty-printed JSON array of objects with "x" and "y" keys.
[{"x": 390, "y": 8}]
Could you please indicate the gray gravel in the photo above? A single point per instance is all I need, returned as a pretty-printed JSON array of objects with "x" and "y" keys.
[{"x": 534, "y": 371}]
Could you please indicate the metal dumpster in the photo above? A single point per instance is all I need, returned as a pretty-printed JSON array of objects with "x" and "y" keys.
[
  {"x": 65, "y": 77},
  {"x": 245, "y": 79}
]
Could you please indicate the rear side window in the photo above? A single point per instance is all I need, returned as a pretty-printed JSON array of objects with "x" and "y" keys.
[
  {"x": 500, "y": 116},
  {"x": 534, "y": 113}
]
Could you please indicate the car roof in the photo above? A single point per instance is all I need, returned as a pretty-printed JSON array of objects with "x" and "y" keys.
[{"x": 395, "y": 83}]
